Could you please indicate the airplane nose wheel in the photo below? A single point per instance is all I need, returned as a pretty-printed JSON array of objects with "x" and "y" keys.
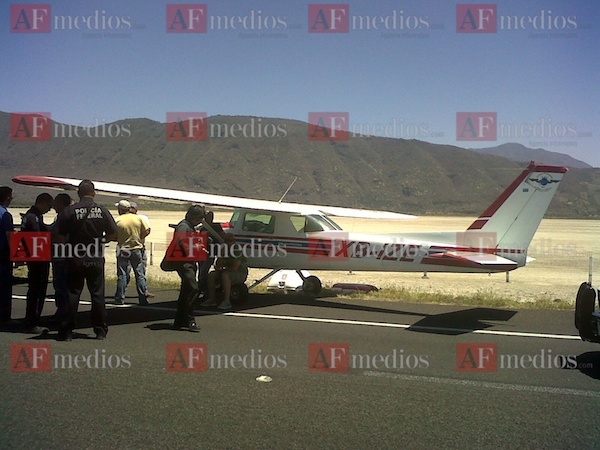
[{"x": 311, "y": 286}]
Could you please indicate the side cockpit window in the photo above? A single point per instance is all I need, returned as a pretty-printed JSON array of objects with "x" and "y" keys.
[
  {"x": 298, "y": 222},
  {"x": 259, "y": 223},
  {"x": 316, "y": 223},
  {"x": 313, "y": 225},
  {"x": 234, "y": 218}
]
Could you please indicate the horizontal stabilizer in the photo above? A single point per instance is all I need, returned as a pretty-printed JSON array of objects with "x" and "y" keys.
[{"x": 472, "y": 260}]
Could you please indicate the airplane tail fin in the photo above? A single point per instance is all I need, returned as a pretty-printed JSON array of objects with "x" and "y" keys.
[{"x": 513, "y": 218}]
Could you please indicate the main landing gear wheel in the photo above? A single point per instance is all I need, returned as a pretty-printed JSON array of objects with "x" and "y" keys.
[
  {"x": 239, "y": 293},
  {"x": 311, "y": 286}
]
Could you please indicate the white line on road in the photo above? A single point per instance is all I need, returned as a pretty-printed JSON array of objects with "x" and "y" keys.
[
  {"x": 404, "y": 326},
  {"x": 485, "y": 384}
]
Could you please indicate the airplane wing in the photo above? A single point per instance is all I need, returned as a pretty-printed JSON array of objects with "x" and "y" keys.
[{"x": 171, "y": 195}]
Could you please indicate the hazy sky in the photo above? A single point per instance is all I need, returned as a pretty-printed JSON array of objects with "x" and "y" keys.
[{"x": 404, "y": 69}]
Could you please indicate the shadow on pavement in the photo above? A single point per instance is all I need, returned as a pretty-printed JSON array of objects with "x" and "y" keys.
[
  {"x": 162, "y": 310},
  {"x": 589, "y": 364},
  {"x": 461, "y": 322}
]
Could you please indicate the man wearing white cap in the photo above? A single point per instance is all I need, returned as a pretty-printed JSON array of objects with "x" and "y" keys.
[
  {"x": 131, "y": 230},
  {"x": 146, "y": 219}
]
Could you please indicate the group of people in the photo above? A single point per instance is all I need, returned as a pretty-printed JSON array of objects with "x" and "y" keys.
[
  {"x": 87, "y": 225},
  {"x": 78, "y": 226},
  {"x": 38, "y": 270}
]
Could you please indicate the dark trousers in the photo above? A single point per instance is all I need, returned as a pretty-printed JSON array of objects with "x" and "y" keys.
[
  {"x": 38, "y": 273},
  {"x": 91, "y": 272},
  {"x": 188, "y": 293},
  {"x": 5, "y": 287},
  {"x": 59, "y": 281}
]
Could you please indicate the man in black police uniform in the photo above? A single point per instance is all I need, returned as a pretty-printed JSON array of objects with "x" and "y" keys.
[
  {"x": 88, "y": 226},
  {"x": 38, "y": 271}
]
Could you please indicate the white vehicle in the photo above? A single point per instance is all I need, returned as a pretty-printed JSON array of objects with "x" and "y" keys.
[{"x": 300, "y": 237}]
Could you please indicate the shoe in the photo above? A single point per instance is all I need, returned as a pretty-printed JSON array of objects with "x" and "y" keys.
[
  {"x": 101, "y": 335},
  {"x": 209, "y": 302},
  {"x": 65, "y": 336},
  {"x": 35, "y": 330},
  {"x": 190, "y": 327},
  {"x": 149, "y": 295},
  {"x": 119, "y": 302},
  {"x": 193, "y": 327},
  {"x": 224, "y": 306},
  {"x": 144, "y": 303}
]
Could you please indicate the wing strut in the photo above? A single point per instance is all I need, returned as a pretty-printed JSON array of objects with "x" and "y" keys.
[
  {"x": 288, "y": 190},
  {"x": 256, "y": 283}
]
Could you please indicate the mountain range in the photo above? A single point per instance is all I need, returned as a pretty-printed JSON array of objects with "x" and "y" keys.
[
  {"x": 260, "y": 157},
  {"x": 518, "y": 152}
]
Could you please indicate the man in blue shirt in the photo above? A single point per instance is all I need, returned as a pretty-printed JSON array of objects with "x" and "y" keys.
[{"x": 6, "y": 227}]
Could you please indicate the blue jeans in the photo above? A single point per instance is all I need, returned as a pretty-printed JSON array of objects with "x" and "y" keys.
[
  {"x": 203, "y": 269},
  {"x": 133, "y": 257}
]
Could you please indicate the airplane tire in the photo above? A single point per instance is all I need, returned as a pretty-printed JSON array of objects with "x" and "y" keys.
[
  {"x": 584, "y": 307},
  {"x": 239, "y": 293},
  {"x": 311, "y": 286}
]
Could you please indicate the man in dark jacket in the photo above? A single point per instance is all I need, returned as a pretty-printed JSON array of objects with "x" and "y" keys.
[
  {"x": 38, "y": 271},
  {"x": 188, "y": 292},
  {"x": 58, "y": 262}
]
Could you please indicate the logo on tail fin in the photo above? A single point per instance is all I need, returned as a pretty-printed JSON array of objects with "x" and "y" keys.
[{"x": 543, "y": 182}]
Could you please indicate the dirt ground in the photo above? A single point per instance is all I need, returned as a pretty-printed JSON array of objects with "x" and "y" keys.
[{"x": 562, "y": 249}]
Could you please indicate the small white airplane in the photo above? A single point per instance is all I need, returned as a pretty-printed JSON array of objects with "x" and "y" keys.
[{"x": 300, "y": 237}]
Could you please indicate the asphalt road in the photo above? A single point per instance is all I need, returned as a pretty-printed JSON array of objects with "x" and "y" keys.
[{"x": 342, "y": 374}]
